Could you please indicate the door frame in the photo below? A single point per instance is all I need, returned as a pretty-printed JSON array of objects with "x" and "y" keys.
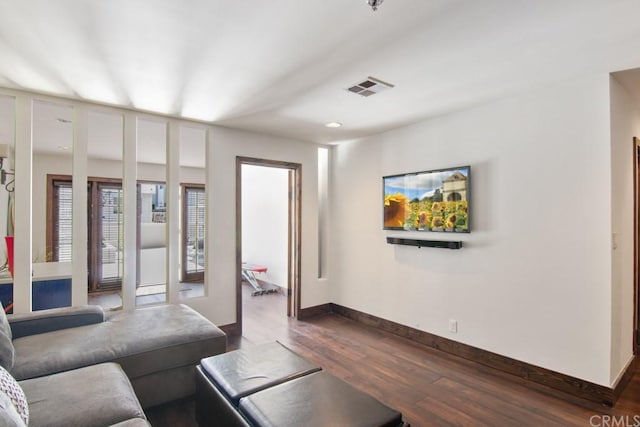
[
  {"x": 636, "y": 243},
  {"x": 294, "y": 258}
]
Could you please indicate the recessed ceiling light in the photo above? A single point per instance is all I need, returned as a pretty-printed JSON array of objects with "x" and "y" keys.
[
  {"x": 61, "y": 120},
  {"x": 333, "y": 125},
  {"x": 63, "y": 147}
]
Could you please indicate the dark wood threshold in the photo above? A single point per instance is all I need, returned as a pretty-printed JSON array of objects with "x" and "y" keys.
[{"x": 565, "y": 384}]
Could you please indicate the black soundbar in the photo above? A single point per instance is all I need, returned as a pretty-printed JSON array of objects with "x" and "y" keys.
[{"x": 447, "y": 244}]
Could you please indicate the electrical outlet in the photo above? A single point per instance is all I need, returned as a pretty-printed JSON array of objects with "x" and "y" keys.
[{"x": 453, "y": 326}]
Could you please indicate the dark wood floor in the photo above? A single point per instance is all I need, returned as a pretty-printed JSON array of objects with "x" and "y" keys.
[{"x": 429, "y": 387}]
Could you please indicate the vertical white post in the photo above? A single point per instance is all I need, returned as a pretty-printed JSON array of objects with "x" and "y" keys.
[
  {"x": 173, "y": 211},
  {"x": 323, "y": 208},
  {"x": 209, "y": 216},
  {"x": 79, "y": 289},
  {"x": 23, "y": 192},
  {"x": 130, "y": 190}
]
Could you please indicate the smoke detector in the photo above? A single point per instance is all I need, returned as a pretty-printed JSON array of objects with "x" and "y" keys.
[{"x": 369, "y": 87}]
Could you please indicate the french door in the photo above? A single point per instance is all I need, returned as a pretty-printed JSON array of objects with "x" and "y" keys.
[
  {"x": 105, "y": 245},
  {"x": 106, "y": 227}
]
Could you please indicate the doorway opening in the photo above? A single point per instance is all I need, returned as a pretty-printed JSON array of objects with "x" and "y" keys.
[{"x": 268, "y": 217}]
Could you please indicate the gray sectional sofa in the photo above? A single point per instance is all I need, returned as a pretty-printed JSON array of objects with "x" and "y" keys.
[{"x": 78, "y": 366}]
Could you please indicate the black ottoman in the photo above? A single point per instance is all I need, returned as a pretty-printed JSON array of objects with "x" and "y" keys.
[
  {"x": 317, "y": 400},
  {"x": 222, "y": 380}
]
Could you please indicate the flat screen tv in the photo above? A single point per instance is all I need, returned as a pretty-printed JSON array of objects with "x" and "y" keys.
[{"x": 436, "y": 200}]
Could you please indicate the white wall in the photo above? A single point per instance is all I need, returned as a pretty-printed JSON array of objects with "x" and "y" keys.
[
  {"x": 227, "y": 144},
  {"x": 265, "y": 213},
  {"x": 625, "y": 124},
  {"x": 533, "y": 279}
]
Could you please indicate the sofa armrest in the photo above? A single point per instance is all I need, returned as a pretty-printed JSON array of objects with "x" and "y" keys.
[{"x": 53, "y": 319}]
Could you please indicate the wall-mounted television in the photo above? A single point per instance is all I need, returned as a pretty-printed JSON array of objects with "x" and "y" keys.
[{"x": 436, "y": 200}]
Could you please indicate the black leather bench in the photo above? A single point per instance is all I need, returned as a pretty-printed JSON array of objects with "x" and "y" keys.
[{"x": 269, "y": 385}]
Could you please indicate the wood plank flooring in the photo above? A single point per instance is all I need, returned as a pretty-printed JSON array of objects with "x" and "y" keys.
[{"x": 429, "y": 387}]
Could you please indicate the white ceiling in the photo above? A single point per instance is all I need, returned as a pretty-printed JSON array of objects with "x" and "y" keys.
[{"x": 282, "y": 66}]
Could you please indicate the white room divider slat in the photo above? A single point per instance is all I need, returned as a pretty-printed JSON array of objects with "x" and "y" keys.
[
  {"x": 173, "y": 210},
  {"x": 129, "y": 188},
  {"x": 209, "y": 215},
  {"x": 80, "y": 266},
  {"x": 23, "y": 193}
]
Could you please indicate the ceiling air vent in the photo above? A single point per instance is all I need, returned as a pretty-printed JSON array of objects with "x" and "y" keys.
[{"x": 369, "y": 87}]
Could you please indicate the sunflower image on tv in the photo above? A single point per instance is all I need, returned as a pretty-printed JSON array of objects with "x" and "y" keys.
[
  {"x": 428, "y": 201},
  {"x": 395, "y": 210}
]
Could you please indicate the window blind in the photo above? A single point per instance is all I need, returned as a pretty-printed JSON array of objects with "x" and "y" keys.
[
  {"x": 195, "y": 213},
  {"x": 62, "y": 222}
]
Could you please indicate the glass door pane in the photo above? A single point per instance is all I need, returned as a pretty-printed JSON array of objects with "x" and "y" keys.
[
  {"x": 62, "y": 221},
  {"x": 111, "y": 236},
  {"x": 194, "y": 205}
]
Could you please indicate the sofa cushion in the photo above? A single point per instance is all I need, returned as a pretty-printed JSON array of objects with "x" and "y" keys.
[
  {"x": 9, "y": 417},
  {"x": 142, "y": 341},
  {"x": 98, "y": 395},
  {"x": 4, "y": 323},
  {"x": 10, "y": 387},
  {"x": 42, "y": 321},
  {"x": 7, "y": 352}
]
